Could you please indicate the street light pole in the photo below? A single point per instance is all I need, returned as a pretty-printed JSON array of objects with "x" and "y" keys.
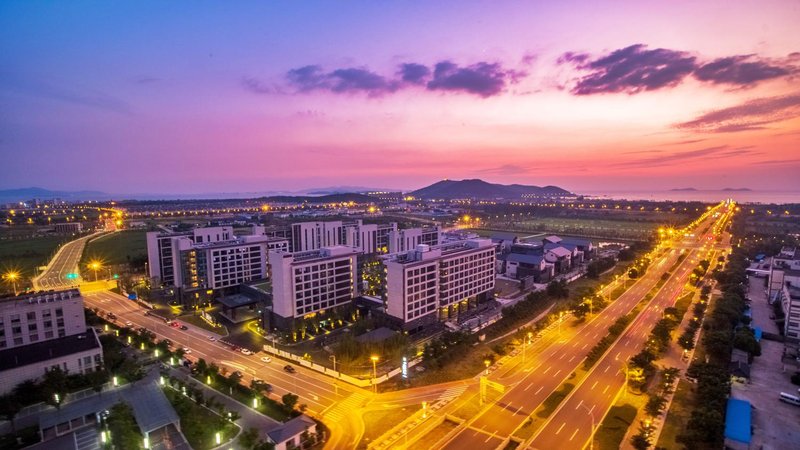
[
  {"x": 591, "y": 415},
  {"x": 374, "y": 373}
]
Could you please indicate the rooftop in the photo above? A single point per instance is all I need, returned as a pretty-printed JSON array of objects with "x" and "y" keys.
[
  {"x": 43, "y": 296},
  {"x": 46, "y": 350},
  {"x": 291, "y": 428}
]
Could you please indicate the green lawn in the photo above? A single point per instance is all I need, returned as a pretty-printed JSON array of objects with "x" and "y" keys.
[
  {"x": 436, "y": 434},
  {"x": 678, "y": 415},
  {"x": 611, "y": 432},
  {"x": 378, "y": 422},
  {"x": 198, "y": 424},
  {"x": 551, "y": 402},
  {"x": 24, "y": 255},
  {"x": 122, "y": 247}
]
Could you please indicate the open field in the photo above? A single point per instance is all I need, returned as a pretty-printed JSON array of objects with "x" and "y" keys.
[
  {"x": 598, "y": 228},
  {"x": 611, "y": 432},
  {"x": 24, "y": 255},
  {"x": 122, "y": 247}
]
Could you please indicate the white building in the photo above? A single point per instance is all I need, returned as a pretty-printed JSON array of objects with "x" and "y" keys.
[
  {"x": 311, "y": 282},
  {"x": 438, "y": 282},
  {"x": 32, "y": 318},
  {"x": 367, "y": 238},
  {"x": 42, "y": 331},
  {"x": 210, "y": 258}
]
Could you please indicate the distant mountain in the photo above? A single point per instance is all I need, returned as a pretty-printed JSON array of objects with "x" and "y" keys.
[
  {"x": 333, "y": 198},
  {"x": 688, "y": 189},
  {"x": 737, "y": 189},
  {"x": 481, "y": 189},
  {"x": 24, "y": 194}
]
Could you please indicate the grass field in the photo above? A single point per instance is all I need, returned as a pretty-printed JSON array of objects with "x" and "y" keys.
[
  {"x": 24, "y": 255},
  {"x": 611, "y": 432},
  {"x": 378, "y": 422},
  {"x": 117, "y": 248},
  {"x": 680, "y": 410},
  {"x": 600, "y": 228}
]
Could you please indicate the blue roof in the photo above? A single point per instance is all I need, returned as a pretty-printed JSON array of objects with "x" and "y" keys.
[
  {"x": 760, "y": 256},
  {"x": 757, "y": 332},
  {"x": 737, "y": 420},
  {"x": 527, "y": 259}
]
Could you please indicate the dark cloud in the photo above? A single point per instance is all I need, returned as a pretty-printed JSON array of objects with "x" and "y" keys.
[
  {"x": 742, "y": 70},
  {"x": 256, "y": 86},
  {"x": 631, "y": 70},
  {"x": 751, "y": 115},
  {"x": 675, "y": 157},
  {"x": 505, "y": 169},
  {"x": 414, "y": 73},
  {"x": 636, "y": 68},
  {"x": 483, "y": 79},
  {"x": 347, "y": 80}
]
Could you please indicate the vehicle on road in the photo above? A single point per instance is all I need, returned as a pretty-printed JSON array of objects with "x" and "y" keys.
[
  {"x": 212, "y": 338},
  {"x": 266, "y": 359},
  {"x": 238, "y": 374},
  {"x": 111, "y": 316},
  {"x": 289, "y": 369},
  {"x": 246, "y": 352},
  {"x": 129, "y": 324},
  {"x": 184, "y": 328},
  {"x": 790, "y": 399},
  {"x": 187, "y": 350},
  {"x": 174, "y": 324}
]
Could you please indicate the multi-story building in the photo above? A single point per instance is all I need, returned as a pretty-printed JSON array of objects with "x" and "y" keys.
[
  {"x": 438, "y": 282},
  {"x": 210, "y": 258},
  {"x": 367, "y": 238},
  {"x": 42, "y": 331},
  {"x": 311, "y": 282},
  {"x": 32, "y": 318}
]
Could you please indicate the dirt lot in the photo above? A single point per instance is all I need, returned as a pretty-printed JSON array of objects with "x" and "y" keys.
[{"x": 775, "y": 423}]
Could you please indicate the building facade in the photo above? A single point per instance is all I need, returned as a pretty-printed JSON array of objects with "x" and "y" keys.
[
  {"x": 42, "y": 331},
  {"x": 433, "y": 283},
  {"x": 308, "y": 283}
]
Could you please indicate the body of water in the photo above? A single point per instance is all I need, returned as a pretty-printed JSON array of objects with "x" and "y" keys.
[{"x": 766, "y": 197}]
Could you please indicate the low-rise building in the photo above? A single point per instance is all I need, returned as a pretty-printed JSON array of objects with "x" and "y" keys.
[
  {"x": 68, "y": 228},
  {"x": 294, "y": 434}
]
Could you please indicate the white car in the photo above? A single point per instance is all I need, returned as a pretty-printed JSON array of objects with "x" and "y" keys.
[
  {"x": 212, "y": 338},
  {"x": 129, "y": 324},
  {"x": 187, "y": 350},
  {"x": 266, "y": 359},
  {"x": 246, "y": 352}
]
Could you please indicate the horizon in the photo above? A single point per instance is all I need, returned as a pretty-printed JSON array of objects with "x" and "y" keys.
[{"x": 639, "y": 97}]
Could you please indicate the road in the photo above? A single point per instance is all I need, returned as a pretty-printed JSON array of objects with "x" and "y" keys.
[
  {"x": 573, "y": 423},
  {"x": 65, "y": 261},
  {"x": 529, "y": 385}
]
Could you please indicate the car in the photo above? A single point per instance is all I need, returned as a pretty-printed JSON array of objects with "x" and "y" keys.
[
  {"x": 266, "y": 359},
  {"x": 184, "y": 327},
  {"x": 238, "y": 374},
  {"x": 187, "y": 350},
  {"x": 235, "y": 348},
  {"x": 212, "y": 338},
  {"x": 128, "y": 324},
  {"x": 147, "y": 313},
  {"x": 111, "y": 316},
  {"x": 288, "y": 368},
  {"x": 167, "y": 342},
  {"x": 175, "y": 324},
  {"x": 246, "y": 352}
]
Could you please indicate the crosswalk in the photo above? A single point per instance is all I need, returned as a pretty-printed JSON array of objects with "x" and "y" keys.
[
  {"x": 86, "y": 439},
  {"x": 450, "y": 394},
  {"x": 341, "y": 410}
]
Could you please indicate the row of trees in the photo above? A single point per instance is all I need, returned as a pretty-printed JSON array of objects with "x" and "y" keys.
[{"x": 706, "y": 423}]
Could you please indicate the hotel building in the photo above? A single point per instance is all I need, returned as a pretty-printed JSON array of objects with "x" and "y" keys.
[{"x": 433, "y": 283}]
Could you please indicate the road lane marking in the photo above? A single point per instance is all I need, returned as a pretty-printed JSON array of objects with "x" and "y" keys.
[
  {"x": 529, "y": 386},
  {"x": 561, "y": 427},
  {"x": 573, "y": 357},
  {"x": 604, "y": 390},
  {"x": 546, "y": 370},
  {"x": 607, "y": 366},
  {"x": 574, "y": 433},
  {"x": 562, "y": 356},
  {"x": 584, "y": 346},
  {"x": 579, "y": 404},
  {"x": 539, "y": 390},
  {"x": 556, "y": 374},
  {"x": 595, "y": 384}
]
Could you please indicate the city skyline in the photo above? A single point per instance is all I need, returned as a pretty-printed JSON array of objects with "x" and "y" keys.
[{"x": 159, "y": 98}]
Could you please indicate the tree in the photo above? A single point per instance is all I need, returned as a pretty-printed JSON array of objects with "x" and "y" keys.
[
  {"x": 235, "y": 378},
  {"x": 248, "y": 438},
  {"x": 9, "y": 408},
  {"x": 655, "y": 404},
  {"x": 289, "y": 400},
  {"x": 640, "y": 442}
]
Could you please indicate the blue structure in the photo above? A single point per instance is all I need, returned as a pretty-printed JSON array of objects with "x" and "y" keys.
[
  {"x": 757, "y": 333},
  {"x": 737, "y": 420}
]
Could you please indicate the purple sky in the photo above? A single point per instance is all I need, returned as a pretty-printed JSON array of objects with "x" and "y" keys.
[{"x": 188, "y": 97}]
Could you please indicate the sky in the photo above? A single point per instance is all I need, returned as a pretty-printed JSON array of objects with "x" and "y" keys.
[{"x": 194, "y": 97}]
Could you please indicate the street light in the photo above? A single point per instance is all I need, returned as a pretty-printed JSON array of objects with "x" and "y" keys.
[
  {"x": 95, "y": 266},
  {"x": 374, "y": 360},
  {"x": 12, "y": 276},
  {"x": 487, "y": 363}
]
